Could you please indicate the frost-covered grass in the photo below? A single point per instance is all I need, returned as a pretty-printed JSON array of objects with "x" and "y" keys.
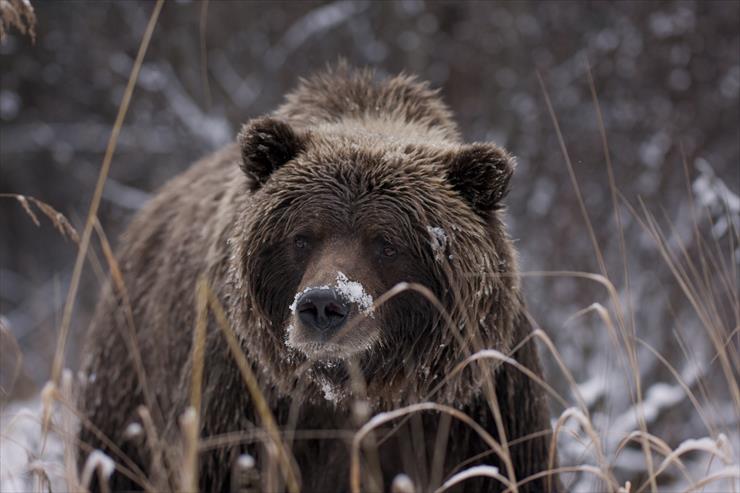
[{"x": 609, "y": 427}]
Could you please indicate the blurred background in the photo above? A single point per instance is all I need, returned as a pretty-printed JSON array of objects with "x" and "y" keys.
[{"x": 667, "y": 76}]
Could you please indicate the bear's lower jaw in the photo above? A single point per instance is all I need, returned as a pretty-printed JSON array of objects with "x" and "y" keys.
[
  {"x": 339, "y": 348},
  {"x": 325, "y": 351},
  {"x": 320, "y": 350}
]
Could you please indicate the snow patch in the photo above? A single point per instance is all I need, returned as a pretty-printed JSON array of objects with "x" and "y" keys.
[
  {"x": 593, "y": 389},
  {"x": 713, "y": 194},
  {"x": 472, "y": 472},
  {"x": 719, "y": 447},
  {"x": 402, "y": 484},
  {"x": 133, "y": 430},
  {"x": 97, "y": 460},
  {"x": 438, "y": 241},
  {"x": 330, "y": 363},
  {"x": 354, "y": 292},
  {"x": 660, "y": 396},
  {"x": 438, "y": 234},
  {"x": 245, "y": 461},
  {"x": 25, "y": 455},
  {"x": 330, "y": 393}
]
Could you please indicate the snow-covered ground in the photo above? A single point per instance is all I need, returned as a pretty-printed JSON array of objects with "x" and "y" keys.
[
  {"x": 29, "y": 460},
  {"x": 34, "y": 461}
]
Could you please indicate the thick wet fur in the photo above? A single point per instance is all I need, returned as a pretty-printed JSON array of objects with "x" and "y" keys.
[{"x": 351, "y": 188}]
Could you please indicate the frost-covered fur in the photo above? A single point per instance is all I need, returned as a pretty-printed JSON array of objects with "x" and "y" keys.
[{"x": 348, "y": 161}]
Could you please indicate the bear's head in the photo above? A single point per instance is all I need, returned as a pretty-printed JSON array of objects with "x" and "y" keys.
[{"x": 370, "y": 265}]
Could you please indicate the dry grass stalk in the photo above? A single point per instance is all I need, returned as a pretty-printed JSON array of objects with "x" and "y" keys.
[
  {"x": 473, "y": 472},
  {"x": 203, "y": 26},
  {"x": 68, "y": 432},
  {"x": 190, "y": 421},
  {"x": 464, "y": 343},
  {"x": 60, "y": 222},
  {"x": 124, "y": 464},
  {"x": 630, "y": 348},
  {"x": 285, "y": 458},
  {"x": 98, "y": 193},
  {"x": 382, "y": 418},
  {"x": 699, "y": 293},
  {"x": 158, "y": 474},
  {"x": 189, "y": 471},
  {"x": 119, "y": 285},
  {"x": 10, "y": 351}
]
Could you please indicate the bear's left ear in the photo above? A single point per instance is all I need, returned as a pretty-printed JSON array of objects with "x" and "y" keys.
[
  {"x": 480, "y": 173},
  {"x": 266, "y": 144}
]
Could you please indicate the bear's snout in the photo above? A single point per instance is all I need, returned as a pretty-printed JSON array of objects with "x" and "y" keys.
[
  {"x": 332, "y": 320},
  {"x": 322, "y": 310}
]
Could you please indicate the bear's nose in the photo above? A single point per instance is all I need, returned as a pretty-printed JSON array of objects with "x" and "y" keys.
[{"x": 322, "y": 309}]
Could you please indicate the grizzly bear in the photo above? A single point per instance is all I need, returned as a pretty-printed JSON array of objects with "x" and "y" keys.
[{"x": 358, "y": 250}]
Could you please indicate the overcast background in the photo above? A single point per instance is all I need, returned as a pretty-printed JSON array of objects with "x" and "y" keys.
[{"x": 667, "y": 76}]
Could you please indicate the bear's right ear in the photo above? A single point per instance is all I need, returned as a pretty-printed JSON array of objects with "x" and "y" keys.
[{"x": 266, "y": 144}]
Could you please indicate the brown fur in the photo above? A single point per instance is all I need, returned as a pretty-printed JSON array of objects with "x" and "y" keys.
[{"x": 351, "y": 165}]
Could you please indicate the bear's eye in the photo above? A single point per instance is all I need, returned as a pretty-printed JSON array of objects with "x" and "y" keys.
[
  {"x": 301, "y": 242},
  {"x": 389, "y": 251}
]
